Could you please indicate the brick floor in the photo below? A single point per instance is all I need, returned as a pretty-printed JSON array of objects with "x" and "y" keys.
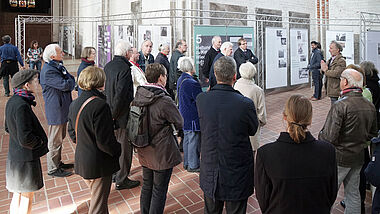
[{"x": 71, "y": 195}]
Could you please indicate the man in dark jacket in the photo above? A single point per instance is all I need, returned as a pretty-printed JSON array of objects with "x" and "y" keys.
[
  {"x": 145, "y": 57},
  {"x": 57, "y": 84},
  {"x": 243, "y": 55},
  {"x": 350, "y": 123},
  {"x": 119, "y": 91},
  {"x": 227, "y": 158},
  {"x": 210, "y": 56},
  {"x": 372, "y": 173},
  {"x": 9, "y": 56},
  {"x": 226, "y": 50},
  {"x": 174, "y": 72},
  {"x": 315, "y": 66}
]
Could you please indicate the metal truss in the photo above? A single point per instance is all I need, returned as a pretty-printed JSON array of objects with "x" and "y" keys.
[
  {"x": 368, "y": 22},
  {"x": 257, "y": 20}
]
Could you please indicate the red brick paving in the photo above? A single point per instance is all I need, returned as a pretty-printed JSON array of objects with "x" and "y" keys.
[{"x": 71, "y": 194}]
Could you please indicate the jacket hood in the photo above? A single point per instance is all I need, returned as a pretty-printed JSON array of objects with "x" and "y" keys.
[{"x": 147, "y": 95}]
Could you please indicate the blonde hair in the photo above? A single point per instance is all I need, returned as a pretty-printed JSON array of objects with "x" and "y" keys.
[
  {"x": 86, "y": 52},
  {"x": 91, "y": 77},
  {"x": 298, "y": 112}
]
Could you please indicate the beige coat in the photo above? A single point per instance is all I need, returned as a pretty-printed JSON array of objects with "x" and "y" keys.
[
  {"x": 332, "y": 82},
  {"x": 249, "y": 89}
]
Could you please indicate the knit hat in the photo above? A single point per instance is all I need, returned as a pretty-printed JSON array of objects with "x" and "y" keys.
[{"x": 22, "y": 77}]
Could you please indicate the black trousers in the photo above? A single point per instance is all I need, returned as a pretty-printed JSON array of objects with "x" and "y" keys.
[
  {"x": 154, "y": 190},
  {"x": 232, "y": 207},
  {"x": 8, "y": 67}
]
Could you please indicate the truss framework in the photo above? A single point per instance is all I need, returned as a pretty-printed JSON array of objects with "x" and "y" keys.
[{"x": 259, "y": 21}]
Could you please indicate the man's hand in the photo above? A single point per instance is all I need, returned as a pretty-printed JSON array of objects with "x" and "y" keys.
[
  {"x": 324, "y": 66},
  {"x": 206, "y": 79}
]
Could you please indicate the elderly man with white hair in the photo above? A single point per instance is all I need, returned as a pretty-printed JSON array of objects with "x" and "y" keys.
[
  {"x": 210, "y": 56},
  {"x": 188, "y": 87},
  {"x": 119, "y": 91},
  {"x": 247, "y": 87},
  {"x": 226, "y": 50},
  {"x": 350, "y": 123},
  {"x": 57, "y": 84}
]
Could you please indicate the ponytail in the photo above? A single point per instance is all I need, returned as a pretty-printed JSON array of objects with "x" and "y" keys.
[
  {"x": 297, "y": 131},
  {"x": 298, "y": 112}
]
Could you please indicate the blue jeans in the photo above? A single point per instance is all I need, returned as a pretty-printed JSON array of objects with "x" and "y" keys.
[
  {"x": 154, "y": 190},
  {"x": 317, "y": 80},
  {"x": 191, "y": 149},
  {"x": 35, "y": 65}
]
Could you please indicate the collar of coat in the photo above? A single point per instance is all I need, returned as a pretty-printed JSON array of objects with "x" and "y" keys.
[
  {"x": 116, "y": 57},
  {"x": 224, "y": 87},
  {"x": 337, "y": 57},
  {"x": 285, "y": 137}
]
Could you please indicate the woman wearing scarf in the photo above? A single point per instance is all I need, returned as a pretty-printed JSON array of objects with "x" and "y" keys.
[
  {"x": 27, "y": 142},
  {"x": 88, "y": 59}
]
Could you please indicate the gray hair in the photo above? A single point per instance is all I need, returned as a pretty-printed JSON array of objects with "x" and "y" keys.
[
  {"x": 369, "y": 68},
  {"x": 337, "y": 45},
  {"x": 247, "y": 71},
  {"x": 214, "y": 39},
  {"x": 163, "y": 46},
  {"x": 225, "y": 45},
  {"x": 353, "y": 77},
  {"x": 122, "y": 48},
  {"x": 225, "y": 69},
  {"x": 6, "y": 39},
  {"x": 50, "y": 50},
  {"x": 146, "y": 40},
  {"x": 185, "y": 64}
]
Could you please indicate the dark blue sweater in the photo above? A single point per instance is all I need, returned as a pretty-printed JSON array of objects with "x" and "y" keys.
[{"x": 188, "y": 88}]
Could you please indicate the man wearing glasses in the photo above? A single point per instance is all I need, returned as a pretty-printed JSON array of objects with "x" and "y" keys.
[{"x": 243, "y": 55}]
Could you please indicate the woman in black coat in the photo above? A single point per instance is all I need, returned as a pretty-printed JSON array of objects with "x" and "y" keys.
[
  {"x": 27, "y": 142},
  {"x": 297, "y": 173},
  {"x": 372, "y": 81},
  {"x": 97, "y": 152}
]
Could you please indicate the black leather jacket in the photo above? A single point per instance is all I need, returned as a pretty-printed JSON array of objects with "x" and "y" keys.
[{"x": 350, "y": 123}]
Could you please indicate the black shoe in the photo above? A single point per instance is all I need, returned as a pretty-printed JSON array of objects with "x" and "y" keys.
[
  {"x": 343, "y": 204},
  {"x": 66, "y": 166},
  {"x": 194, "y": 170},
  {"x": 185, "y": 167},
  {"x": 127, "y": 185},
  {"x": 6, "y": 95},
  {"x": 60, "y": 173}
]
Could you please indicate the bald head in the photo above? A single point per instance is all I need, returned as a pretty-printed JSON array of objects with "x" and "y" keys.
[{"x": 351, "y": 78}]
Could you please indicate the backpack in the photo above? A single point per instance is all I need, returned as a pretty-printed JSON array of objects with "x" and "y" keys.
[{"x": 138, "y": 126}]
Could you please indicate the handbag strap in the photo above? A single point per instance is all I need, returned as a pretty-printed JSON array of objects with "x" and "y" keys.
[{"x": 80, "y": 110}]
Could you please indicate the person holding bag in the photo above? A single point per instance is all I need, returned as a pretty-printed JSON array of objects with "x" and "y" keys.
[{"x": 91, "y": 128}]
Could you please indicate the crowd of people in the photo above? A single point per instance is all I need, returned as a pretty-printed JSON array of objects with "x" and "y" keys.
[{"x": 218, "y": 128}]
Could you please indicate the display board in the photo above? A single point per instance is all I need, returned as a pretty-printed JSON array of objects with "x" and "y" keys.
[
  {"x": 104, "y": 45},
  {"x": 67, "y": 39},
  {"x": 299, "y": 50},
  {"x": 373, "y": 48},
  {"x": 157, "y": 34},
  {"x": 276, "y": 57},
  {"x": 203, "y": 36},
  {"x": 122, "y": 32},
  {"x": 346, "y": 39}
]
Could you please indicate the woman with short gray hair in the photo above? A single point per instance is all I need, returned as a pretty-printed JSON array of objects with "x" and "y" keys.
[
  {"x": 188, "y": 88},
  {"x": 246, "y": 85}
]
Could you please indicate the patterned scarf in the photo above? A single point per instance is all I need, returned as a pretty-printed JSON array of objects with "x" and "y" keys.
[
  {"x": 24, "y": 93},
  {"x": 354, "y": 89}
]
